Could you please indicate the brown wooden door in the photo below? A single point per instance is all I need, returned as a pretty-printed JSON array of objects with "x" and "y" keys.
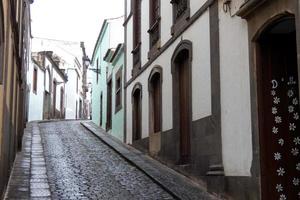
[
  {"x": 156, "y": 101},
  {"x": 184, "y": 95},
  {"x": 279, "y": 117},
  {"x": 136, "y": 115},
  {"x": 109, "y": 105},
  {"x": 54, "y": 99}
]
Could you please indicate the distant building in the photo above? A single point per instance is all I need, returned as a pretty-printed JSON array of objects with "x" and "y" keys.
[
  {"x": 107, "y": 63},
  {"x": 47, "y": 88}
]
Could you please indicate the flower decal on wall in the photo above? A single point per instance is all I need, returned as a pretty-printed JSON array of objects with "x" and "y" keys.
[
  {"x": 291, "y": 81},
  {"x": 296, "y": 116},
  {"x": 278, "y": 119},
  {"x": 279, "y": 188},
  {"x": 292, "y": 127},
  {"x": 291, "y": 109},
  {"x": 276, "y": 100},
  {"x": 280, "y": 171},
  {"x": 290, "y": 93},
  {"x": 298, "y": 166},
  {"x": 297, "y": 141},
  {"x": 282, "y": 197},
  {"x": 295, "y": 151},
  {"x": 295, "y": 101},
  {"x": 296, "y": 181},
  {"x": 275, "y": 130},
  {"x": 277, "y": 156},
  {"x": 274, "y": 110},
  {"x": 273, "y": 92},
  {"x": 281, "y": 141}
]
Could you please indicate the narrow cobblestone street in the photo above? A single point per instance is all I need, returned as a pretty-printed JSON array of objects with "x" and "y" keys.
[
  {"x": 68, "y": 162},
  {"x": 80, "y": 166}
]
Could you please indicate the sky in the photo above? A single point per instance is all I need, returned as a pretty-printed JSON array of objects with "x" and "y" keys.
[{"x": 73, "y": 20}]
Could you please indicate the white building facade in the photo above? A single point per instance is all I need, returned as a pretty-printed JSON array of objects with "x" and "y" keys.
[
  {"x": 193, "y": 93},
  {"x": 46, "y": 84}
]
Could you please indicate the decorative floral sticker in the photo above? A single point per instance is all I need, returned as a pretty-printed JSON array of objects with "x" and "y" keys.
[
  {"x": 292, "y": 127},
  {"x": 277, "y": 156},
  {"x": 298, "y": 166},
  {"x": 275, "y": 130},
  {"x": 290, "y": 93},
  {"x": 296, "y": 116},
  {"x": 282, "y": 197},
  {"x": 281, "y": 141},
  {"x": 280, "y": 171},
  {"x": 295, "y": 151},
  {"x": 278, "y": 119},
  {"x": 274, "y": 110},
  {"x": 291, "y": 109},
  {"x": 276, "y": 100},
  {"x": 273, "y": 92},
  {"x": 295, "y": 101},
  {"x": 291, "y": 81},
  {"x": 296, "y": 181},
  {"x": 279, "y": 188},
  {"x": 297, "y": 141}
]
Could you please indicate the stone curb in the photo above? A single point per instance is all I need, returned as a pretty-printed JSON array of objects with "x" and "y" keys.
[{"x": 179, "y": 186}]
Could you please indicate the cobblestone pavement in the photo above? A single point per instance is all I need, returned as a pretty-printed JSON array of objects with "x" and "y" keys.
[{"x": 80, "y": 166}]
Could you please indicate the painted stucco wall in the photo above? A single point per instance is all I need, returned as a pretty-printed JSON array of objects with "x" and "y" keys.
[
  {"x": 110, "y": 36},
  {"x": 198, "y": 33},
  {"x": 71, "y": 94},
  {"x": 36, "y": 100},
  {"x": 100, "y": 86},
  {"x": 235, "y": 95}
]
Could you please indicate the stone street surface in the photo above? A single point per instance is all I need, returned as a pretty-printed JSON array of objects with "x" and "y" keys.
[{"x": 80, "y": 166}]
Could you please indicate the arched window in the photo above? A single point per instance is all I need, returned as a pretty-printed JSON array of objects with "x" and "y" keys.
[
  {"x": 137, "y": 112},
  {"x": 155, "y": 99},
  {"x": 182, "y": 98}
]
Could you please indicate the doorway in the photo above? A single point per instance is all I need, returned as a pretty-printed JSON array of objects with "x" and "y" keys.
[
  {"x": 136, "y": 113},
  {"x": 182, "y": 101},
  {"x": 278, "y": 108},
  {"x": 54, "y": 98},
  {"x": 109, "y": 105}
]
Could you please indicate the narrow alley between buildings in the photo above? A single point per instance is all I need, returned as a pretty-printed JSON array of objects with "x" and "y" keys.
[{"x": 64, "y": 160}]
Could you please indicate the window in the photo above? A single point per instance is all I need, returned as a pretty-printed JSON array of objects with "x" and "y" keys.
[
  {"x": 34, "y": 82},
  {"x": 136, "y": 35},
  {"x": 154, "y": 29},
  {"x": 118, "y": 90},
  {"x": 181, "y": 14}
]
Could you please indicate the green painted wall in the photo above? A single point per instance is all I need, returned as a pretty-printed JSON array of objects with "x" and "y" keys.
[
  {"x": 100, "y": 87},
  {"x": 107, "y": 69},
  {"x": 117, "y": 118}
]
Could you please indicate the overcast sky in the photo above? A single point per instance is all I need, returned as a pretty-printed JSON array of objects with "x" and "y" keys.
[{"x": 73, "y": 20}]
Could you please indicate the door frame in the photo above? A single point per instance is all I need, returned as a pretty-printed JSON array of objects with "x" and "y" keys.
[
  {"x": 137, "y": 87},
  {"x": 258, "y": 20},
  {"x": 184, "y": 45}
]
